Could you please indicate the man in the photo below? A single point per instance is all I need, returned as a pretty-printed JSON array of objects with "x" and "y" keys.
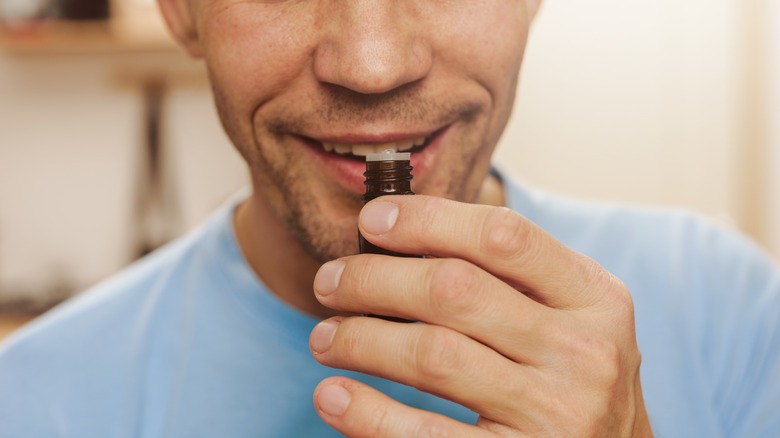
[{"x": 219, "y": 334}]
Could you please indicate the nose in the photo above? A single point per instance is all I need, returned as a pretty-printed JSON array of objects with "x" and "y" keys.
[{"x": 371, "y": 46}]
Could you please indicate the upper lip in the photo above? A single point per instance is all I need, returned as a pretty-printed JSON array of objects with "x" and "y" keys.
[{"x": 372, "y": 138}]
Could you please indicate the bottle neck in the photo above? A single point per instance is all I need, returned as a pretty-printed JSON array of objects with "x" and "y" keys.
[{"x": 387, "y": 177}]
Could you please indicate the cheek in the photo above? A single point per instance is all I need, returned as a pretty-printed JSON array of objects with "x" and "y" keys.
[
  {"x": 490, "y": 40},
  {"x": 251, "y": 53},
  {"x": 496, "y": 47}
]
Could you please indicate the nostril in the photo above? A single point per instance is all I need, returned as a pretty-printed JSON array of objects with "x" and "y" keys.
[{"x": 371, "y": 66}]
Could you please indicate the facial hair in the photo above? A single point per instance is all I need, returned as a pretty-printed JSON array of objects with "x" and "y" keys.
[{"x": 326, "y": 226}]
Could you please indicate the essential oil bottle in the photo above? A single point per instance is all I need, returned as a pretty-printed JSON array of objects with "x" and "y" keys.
[{"x": 387, "y": 173}]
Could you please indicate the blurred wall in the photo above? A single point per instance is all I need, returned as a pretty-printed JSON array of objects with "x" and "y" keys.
[
  {"x": 628, "y": 100},
  {"x": 661, "y": 102},
  {"x": 71, "y": 143},
  {"x": 772, "y": 120},
  {"x": 632, "y": 100}
]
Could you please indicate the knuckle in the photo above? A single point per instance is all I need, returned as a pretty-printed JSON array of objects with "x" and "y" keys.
[
  {"x": 578, "y": 421},
  {"x": 602, "y": 370},
  {"x": 360, "y": 278},
  {"x": 380, "y": 423},
  {"x": 428, "y": 218},
  {"x": 590, "y": 426},
  {"x": 349, "y": 342},
  {"x": 506, "y": 234},
  {"x": 356, "y": 276},
  {"x": 437, "y": 355},
  {"x": 597, "y": 276},
  {"x": 596, "y": 357},
  {"x": 622, "y": 299},
  {"x": 609, "y": 370},
  {"x": 609, "y": 285},
  {"x": 453, "y": 283}
]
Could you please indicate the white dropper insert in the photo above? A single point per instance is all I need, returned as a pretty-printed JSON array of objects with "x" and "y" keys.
[{"x": 389, "y": 154}]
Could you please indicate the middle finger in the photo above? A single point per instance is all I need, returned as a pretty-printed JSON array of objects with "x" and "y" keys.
[{"x": 446, "y": 292}]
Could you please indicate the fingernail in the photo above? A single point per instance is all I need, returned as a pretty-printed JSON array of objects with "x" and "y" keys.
[
  {"x": 328, "y": 277},
  {"x": 322, "y": 336},
  {"x": 334, "y": 400},
  {"x": 378, "y": 217}
]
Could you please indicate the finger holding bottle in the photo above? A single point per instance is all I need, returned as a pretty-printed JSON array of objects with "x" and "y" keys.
[
  {"x": 536, "y": 336},
  {"x": 499, "y": 240}
]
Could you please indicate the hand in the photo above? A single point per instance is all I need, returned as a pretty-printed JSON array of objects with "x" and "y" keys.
[{"x": 537, "y": 339}]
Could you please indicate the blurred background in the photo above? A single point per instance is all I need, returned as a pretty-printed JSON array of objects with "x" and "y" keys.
[{"x": 110, "y": 145}]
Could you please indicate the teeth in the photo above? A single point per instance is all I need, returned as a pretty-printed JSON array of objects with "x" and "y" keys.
[
  {"x": 406, "y": 145},
  {"x": 343, "y": 148},
  {"x": 364, "y": 149}
]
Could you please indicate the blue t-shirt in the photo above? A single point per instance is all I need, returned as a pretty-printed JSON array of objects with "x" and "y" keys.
[{"x": 188, "y": 342}]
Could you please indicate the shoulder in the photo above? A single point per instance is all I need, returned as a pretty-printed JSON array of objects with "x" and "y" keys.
[
  {"x": 701, "y": 280},
  {"x": 707, "y": 308},
  {"x": 83, "y": 359},
  {"x": 622, "y": 237},
  {"x": 101, "y": 310}
]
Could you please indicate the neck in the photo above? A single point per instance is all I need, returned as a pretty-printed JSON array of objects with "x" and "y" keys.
[
  {"x": 280, "y": 261},
  {"x": 492, "y": 192},
  {"x": 276, "y": 257}
]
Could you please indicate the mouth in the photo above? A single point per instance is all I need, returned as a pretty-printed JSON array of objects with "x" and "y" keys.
[
  {"x": 343, "y": 157},
  {"x": 358, "y": 151}
]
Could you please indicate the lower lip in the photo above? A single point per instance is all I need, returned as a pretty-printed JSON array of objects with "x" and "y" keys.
[{"x": 348, "y": 173}]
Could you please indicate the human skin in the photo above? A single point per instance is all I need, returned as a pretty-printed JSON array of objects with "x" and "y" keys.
[{"x": 537, "y": 339}]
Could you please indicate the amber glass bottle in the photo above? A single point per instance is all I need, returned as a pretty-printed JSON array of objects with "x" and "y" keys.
[{"x": 387, "y": 173}]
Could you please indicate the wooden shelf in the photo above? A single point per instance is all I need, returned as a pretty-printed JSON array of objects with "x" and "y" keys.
[
  {"x": 61, "y": 37},
  {"x": 137, "y": 56}
]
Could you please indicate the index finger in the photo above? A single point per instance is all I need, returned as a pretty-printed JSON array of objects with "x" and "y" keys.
[{"x": 497, "y": 239}]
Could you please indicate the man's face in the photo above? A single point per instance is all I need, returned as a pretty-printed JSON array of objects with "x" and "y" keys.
[{"x": 300, "y": 83}]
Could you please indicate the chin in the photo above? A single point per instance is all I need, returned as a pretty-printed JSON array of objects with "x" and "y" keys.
[
  {"x": 324, "y": 239},
  {"x": 325, "y": 248}
]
